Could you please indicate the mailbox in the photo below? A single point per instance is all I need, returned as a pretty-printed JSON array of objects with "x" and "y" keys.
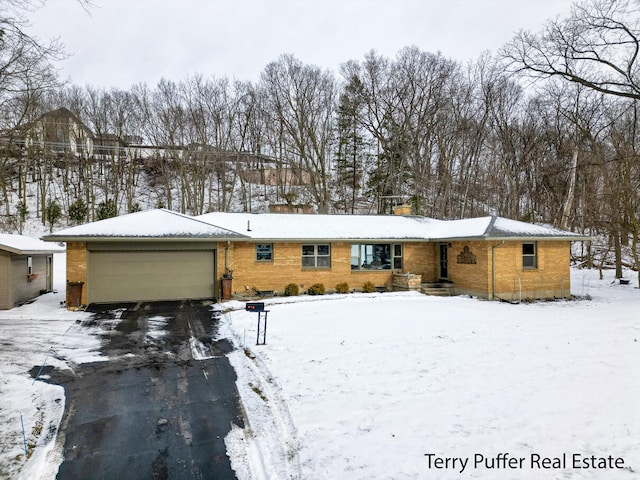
[{"x": 254, "y": 307}]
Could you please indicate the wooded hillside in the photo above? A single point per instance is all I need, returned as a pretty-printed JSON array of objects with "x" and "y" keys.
[{"x": 543, "y": 131}]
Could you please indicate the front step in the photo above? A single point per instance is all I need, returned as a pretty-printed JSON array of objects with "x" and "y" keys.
[{"x": 439, "y": 289}]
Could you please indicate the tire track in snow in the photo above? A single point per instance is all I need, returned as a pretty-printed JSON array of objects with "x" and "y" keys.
[{"x": 261, "y": 383}]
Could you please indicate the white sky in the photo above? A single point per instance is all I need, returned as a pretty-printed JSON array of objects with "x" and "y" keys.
[{"x": 123, "y": 42}]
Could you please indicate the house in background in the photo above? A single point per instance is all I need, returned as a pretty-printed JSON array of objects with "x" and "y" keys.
[
  {"x": 109, "y": 145},
  {"x": 58, "y": 131},
  {"x": 26, "y": 268},
  {"x": 164, "y": 255}
]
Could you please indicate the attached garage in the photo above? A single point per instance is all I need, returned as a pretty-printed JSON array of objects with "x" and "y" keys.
[
  {"x": 152, "y": 255},
  {"x": 148, "y": 275}
]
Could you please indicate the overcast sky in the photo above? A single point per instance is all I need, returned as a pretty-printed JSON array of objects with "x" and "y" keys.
[{"x": 122, "y": 42}]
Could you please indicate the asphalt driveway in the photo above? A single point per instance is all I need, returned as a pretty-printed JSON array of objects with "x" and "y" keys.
[{"x": 153, "y": 411}]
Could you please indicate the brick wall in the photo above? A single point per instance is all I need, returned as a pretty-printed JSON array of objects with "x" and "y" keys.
[
  {"x": 420, "y": 258},
  {"x": 77, "y": 267},
  {"x": 550, "y": 279},
  {"x": 470, "y": 278},
  {"x": 286, "y": 268}
]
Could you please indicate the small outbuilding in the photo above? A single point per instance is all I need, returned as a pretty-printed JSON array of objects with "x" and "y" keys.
[{"x": 26, "y": 268}]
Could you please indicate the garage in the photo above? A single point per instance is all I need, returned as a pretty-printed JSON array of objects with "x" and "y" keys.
[
  {"x": 151, "y": 255},
  {"x": 144, "y": 275}
]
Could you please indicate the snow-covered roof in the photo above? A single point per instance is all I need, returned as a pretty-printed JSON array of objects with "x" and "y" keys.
[
  {"x": 147, "y": 224},
  {"x": 280, "y": 226},
  {"x": 24, "y": 245},
  {"x": 505, "y": 227},
  {"x": 165, "y": 224},
  {"x": 497, "y": 228},
  {"x": 293, "y": 226}
]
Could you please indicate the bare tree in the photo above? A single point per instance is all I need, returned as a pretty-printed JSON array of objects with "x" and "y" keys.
[
  {"x": 596, "y": 46},
  {"x": 26, "y": 71},
  {"x": 302, "y": 99}
]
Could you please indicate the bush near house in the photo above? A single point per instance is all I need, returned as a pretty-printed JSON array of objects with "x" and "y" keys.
[
  {"x": 316, "y": 289},
  {"x": 368, "y": 287},
  {"x": 342, "y": 287},
  {"x": 291, "y": 290}
]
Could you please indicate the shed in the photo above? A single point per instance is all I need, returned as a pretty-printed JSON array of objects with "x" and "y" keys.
[{"x": 26, "y": 268}]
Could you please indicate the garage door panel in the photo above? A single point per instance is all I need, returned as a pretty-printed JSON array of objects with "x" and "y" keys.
[{"x": 150, "y": 275}]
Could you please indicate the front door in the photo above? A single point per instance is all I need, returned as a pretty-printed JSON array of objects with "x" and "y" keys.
[{"x": 444, "y": 261}]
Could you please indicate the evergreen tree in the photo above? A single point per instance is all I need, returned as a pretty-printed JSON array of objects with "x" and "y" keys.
[
  {"x": 53, "y": 213},
  {"x": 352, "y": 147},
  {"x": 106, "y": 209},
  {"x": 78, "y": 211},
  {"x": 22, "y": 211}
]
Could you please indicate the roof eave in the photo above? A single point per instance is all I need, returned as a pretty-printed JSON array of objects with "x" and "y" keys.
[
  {"x": 524, "y": 238},
  {"x": 18, "y": 251},
  {"x": 330, "y": 240},
  {"x": 103, "y": 238}
]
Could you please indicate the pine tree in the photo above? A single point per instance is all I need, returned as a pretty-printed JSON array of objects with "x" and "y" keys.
[
  {"x": 53, "y": 213},
  {"x": 106, "y": 209},
  {"x": 352, "y": 148},
  {"x": 78, "y": 211}
]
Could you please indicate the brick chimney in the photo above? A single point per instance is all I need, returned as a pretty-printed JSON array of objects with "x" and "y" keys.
[{"x": 403, "y": 209}]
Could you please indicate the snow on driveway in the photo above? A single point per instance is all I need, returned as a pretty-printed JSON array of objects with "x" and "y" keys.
[{"x": 392, "y": 385}]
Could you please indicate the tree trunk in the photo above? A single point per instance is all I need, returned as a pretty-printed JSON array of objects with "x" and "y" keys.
[
  {"x": 568, "y": 204},
  {"x": 618, "y": 252}
]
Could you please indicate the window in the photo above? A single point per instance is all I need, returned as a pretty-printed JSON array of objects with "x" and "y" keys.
[
  {"x": 29, "y": 265},
  {"x": 316, "y": 256},
  {"x": 376, "y": 256},
  {"x": 264, "y": 252},
  {"x": 529, "y": 256},
  {"x": 397, "y": 257}
]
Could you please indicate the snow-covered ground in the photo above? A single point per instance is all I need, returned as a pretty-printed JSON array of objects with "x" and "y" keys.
[
  {"x": 375, "y": 386},
  {"x": 381, "y": 386},
  {"x": 37, "y": 334}
]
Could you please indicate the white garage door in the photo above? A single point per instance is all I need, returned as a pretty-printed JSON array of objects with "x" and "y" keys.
[{"x": 150, "y": 275}]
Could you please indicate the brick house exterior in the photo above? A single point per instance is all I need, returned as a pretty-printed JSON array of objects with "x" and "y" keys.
[{"x": 489, "y": 257}]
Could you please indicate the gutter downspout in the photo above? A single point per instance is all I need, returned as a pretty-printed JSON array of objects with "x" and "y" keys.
[
  {"x": 493, "y": 269},
  {"x": 226, "y": 257}
]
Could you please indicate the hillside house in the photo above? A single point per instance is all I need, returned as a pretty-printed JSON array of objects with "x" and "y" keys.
[
  {"x": 109, "y": 145},
  {"x": 58, "y": 131},
  {"x": 164, "y": 255}
]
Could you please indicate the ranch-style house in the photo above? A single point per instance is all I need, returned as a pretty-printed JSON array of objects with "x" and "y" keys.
[{"x": 164, "y": 255}]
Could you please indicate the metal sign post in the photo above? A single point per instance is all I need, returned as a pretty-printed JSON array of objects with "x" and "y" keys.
[
  {"x": 258, "y": 307},
  {"x": 262, "y": 332}
]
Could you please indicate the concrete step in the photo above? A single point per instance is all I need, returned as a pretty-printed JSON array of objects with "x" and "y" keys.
[{"x": 440, "y": 289}]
